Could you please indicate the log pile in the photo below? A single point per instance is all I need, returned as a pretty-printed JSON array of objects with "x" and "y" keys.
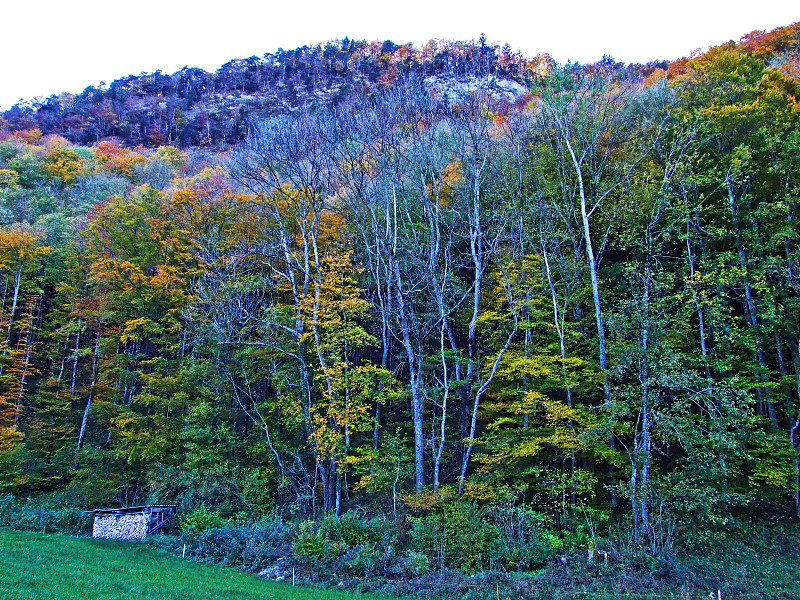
[
  {"x": 132, "y": 526},
  {"x": 132, "y": 522}
]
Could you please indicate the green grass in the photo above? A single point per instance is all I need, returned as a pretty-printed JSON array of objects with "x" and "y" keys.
[{"x": 54, "y": 567}]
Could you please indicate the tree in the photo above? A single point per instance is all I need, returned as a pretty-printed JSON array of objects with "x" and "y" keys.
[
  {"x": 21, "y": 255},
  {"x": 599, "y": 138}
]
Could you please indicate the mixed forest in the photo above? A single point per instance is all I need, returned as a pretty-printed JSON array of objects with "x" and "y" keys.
[{"x": 358, "y": 277}]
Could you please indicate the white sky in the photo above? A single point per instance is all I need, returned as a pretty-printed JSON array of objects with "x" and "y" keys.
[{"x": 50, "y": 46}]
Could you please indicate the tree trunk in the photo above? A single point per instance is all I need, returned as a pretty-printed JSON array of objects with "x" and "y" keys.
[
  {"x": 598, "y": 311},
  {"x": 762, "y": 393},
  {"x": 415, "y": 374},
  {"x": 437, "y": 459},
  {"x": 643, "y": 454},
  {"x": 17, "y": 284},
  {"x": 82, "y": 431}
]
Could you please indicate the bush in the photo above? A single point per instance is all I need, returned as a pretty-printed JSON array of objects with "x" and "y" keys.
[
  {"x": 200, "y": 519},
  {"x": 524, "y": 542},
  {"x": 31, "y": 517},
  {"x": 250, "y": 548},
  {"x": 416, "y": 563},
  {"x": 309, "y": 545},
  {"x": 350, "y": 529},
  {"x": 7, "y": 510},
  {"x": 352, "y": 543},
  {"x": 457, "y": 534}
]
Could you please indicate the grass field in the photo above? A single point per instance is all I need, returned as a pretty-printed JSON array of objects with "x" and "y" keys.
[
  {"x": 765, "y": 566},
  {"x": 54, "y": 567}
]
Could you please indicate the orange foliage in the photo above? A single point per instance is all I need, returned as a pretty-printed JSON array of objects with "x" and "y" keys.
[
  {"x": 210, "y": 214},
  {"x": 655, "y": 77},
  {"x": 759, "y": 44},
  {"x": 763, "y": 44},
  {"x": 20, "y": 247},
  {"x": 29, "y": 136},
  {"x": 115, "y": 159}
]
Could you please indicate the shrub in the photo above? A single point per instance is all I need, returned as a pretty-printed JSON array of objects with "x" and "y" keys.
[
  {"x": 200, "y": 519},
  {"x": 524, "y": 540},
  {"x": 366, "y": 560},
  {"x": 416, "y": 563},
  {"x": 336, "y": 542},
  {"x": 250, "y": 548},
  {"x": 7, "y": 510},
  {"x": 31, "y": 517},
  {"x": 309, "y": 544},
  {"x": 457, "y": 534}
]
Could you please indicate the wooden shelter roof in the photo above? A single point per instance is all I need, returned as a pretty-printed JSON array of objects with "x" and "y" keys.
[{"x": 147, "y": 508}]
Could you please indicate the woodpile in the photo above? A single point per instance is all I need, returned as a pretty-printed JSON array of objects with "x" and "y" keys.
[
  {"x": 120, "y": 527},
  {"x": 132, "y": 522}
]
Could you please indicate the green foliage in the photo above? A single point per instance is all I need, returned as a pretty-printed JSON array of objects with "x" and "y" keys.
[
  {"x": 352, "y": 542},
  {"x": 200, "y": 520},
  {"x": 23, "y": 515},
  {"x": 314, "y": 343},
  {"x": 523, "y": 541},
  {"x": 456, "y": 534},
  {"x": 309, "y": 544}
]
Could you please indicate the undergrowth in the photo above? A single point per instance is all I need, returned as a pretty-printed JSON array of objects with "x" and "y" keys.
[{"x": 464, "y": 551}]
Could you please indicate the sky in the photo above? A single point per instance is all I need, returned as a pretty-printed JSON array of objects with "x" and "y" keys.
[{"x": 54, "y": 46}]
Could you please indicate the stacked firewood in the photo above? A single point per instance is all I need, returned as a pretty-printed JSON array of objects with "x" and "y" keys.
[{"x": 120, "y": 527}]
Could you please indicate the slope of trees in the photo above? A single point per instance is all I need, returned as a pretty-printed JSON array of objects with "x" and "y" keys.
[
  {"x": 195, "y": 108},
  {"x": 584, "y": 303}
]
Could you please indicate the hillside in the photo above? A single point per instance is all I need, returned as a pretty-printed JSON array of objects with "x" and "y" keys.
[
  {"x": 446, "y": 312},
  {"x": 195, "y": 108},
  {"x": 192, "y": 107}
]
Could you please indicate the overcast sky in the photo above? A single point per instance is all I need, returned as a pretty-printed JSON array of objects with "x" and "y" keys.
[{"x": 52, "y": 46}]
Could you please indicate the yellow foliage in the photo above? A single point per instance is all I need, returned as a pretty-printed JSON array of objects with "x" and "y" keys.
[
  {"x": 10, "y": 438},
  {"x": 63, "y": 163},
  {"x": 483, "y": 492},
  {"x": 171, "y": 155},
  {"x": 20, "y": 247},
  {"x": 656, "y": 77},
  {"x": 8, "y": 178},
  {"x": 429, "y": 499}
]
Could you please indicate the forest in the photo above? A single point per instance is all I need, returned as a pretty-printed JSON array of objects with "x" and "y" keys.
[{"x": 559, "y": 311}]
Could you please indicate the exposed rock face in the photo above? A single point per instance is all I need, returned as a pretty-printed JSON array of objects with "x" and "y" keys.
[
  {"x": 456, "y": 89},
  {"x": 120, "y": 527}
]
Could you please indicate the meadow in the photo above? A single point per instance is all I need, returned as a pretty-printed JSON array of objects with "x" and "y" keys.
[{"x": 56, "y": 567}]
